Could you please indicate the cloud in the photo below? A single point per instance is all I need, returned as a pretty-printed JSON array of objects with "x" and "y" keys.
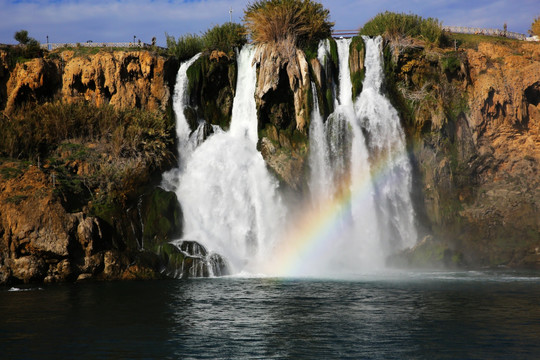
[
  {"x": 120, "y": 20},
  {"x": 74, "y": 21}
]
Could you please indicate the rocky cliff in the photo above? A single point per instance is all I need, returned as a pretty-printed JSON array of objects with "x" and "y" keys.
[
  {"x": 473, "y": 121},
  {"x": 41, "y": 241},
  {"x": 87, "y": 138},
  {"x": 127, "y": 79},
  {"x": 471, "y": 115}
]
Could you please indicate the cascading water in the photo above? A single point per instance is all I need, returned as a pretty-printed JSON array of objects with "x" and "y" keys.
[
  {"x": 228, "y": 197},
  {"x": 186, "y": 143},
  {"x": 187, "y": 140},
  {"x": 320, "y": 182},
  {"x": 230, "y": 202},
  {"x": 388, "y": 152},
  {"x": 357, "y": 246},
  {"x": 375, "y": 175}
]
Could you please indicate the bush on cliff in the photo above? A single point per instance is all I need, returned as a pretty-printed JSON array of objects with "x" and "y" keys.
[
  {"x": 225, "y": 37},
  {"x": 98, "y": 154},
  {"x": 301, "y": 21},
  {"x": 399, "y": 25},
  {"x": 28, "y": 48},
  {"x": 185, "y": 47},
  {"x": 36, "y": 130}
]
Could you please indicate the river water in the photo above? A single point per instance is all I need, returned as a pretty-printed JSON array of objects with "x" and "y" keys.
[{"x": 473, "y": 315}]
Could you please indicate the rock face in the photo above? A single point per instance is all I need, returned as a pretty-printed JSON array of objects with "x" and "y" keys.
[
  {"x": 41, "y": 242},
  {"x": 473, "y": 120},
  {"x": 190, "y": 259},
  {"x": 41, "y": 237},
  {"x": 283, "y": 96},
  {"x": 134, "y": 79},
  {"x": 274, "y": 59},
  {"x": 212, "y": 84}
]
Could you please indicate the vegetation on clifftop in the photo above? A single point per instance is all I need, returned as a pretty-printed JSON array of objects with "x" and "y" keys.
[
  {"x": 225, "y": 38},
  {"x": 399, "y": 25},
  {"x": 300, "y": 21},
  {"x": 185, "y": 47},
  {"x": 222, "y": 38}
]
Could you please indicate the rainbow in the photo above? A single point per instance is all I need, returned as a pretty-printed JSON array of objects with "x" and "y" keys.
[{"x": 317, "y": 227}]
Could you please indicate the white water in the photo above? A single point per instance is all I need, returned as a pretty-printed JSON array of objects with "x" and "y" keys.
[
  {"x": 320, "y": 182},
  {"x": 388, "y": 150},
  {"x": 360, "y": 245},
  {"x": 187, "y": 140},
  {"x": 380, "y": 217},
  {"x": 228, "y": 197},
  {"x": 181, "y": 98}
]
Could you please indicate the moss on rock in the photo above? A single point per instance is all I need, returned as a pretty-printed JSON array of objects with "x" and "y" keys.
[{"x": 161, "y": 217}]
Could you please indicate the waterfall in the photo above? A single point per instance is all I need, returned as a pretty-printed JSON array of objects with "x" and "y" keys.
[
  {"x": 228, "y": 197},
  {"x": 388, "y": 151},
  {"x": 187, "y": 140},
  {"x": 360, "y": 245},
  {"x": 320, "y": 182},
  {"x": 374, "y": 172},
  {"x": 359, "y": 173},
  {"x": 181, "y": 98}
]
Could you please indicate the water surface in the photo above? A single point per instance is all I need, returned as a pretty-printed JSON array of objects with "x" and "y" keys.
[{"x": 409, "y": 315}]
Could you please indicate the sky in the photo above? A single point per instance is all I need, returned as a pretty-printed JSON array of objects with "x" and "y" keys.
[{"x": 120, "y": 20}]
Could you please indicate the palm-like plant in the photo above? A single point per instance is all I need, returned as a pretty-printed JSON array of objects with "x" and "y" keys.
[{"x": 301, "y": 21}]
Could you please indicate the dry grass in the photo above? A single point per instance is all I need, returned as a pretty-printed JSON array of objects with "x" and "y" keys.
[{"x": 37, "y": 130}]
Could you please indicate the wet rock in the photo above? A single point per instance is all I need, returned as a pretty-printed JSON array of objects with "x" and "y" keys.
[
  {"x": 161, "y": 216},
  {"x": 191, "y": 259}
]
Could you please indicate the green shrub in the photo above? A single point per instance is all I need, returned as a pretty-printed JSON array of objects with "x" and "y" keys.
[
  {"x": 451, "y": 64},
  {"x": 301, "y": 21},
  {"x": 225, "y": 37},
  {"x": 396, "y": 25},
  {"x": 185, "y": 47}
]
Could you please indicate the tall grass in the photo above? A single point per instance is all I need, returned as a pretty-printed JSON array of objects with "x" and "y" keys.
[
  {"x": 398, "y": 25},
  {"x": 185, "y": 47},
  {"x": 36, "y": 130},
  {"x": 225, "y": 37},
  {"x": 301, "y": 21}
]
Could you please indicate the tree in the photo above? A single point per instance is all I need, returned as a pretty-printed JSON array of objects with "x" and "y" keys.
[
  {"x": 30, "y": 46},
  {"x": 535, "y": 27},
  {"x": 22, "y": 37}
]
